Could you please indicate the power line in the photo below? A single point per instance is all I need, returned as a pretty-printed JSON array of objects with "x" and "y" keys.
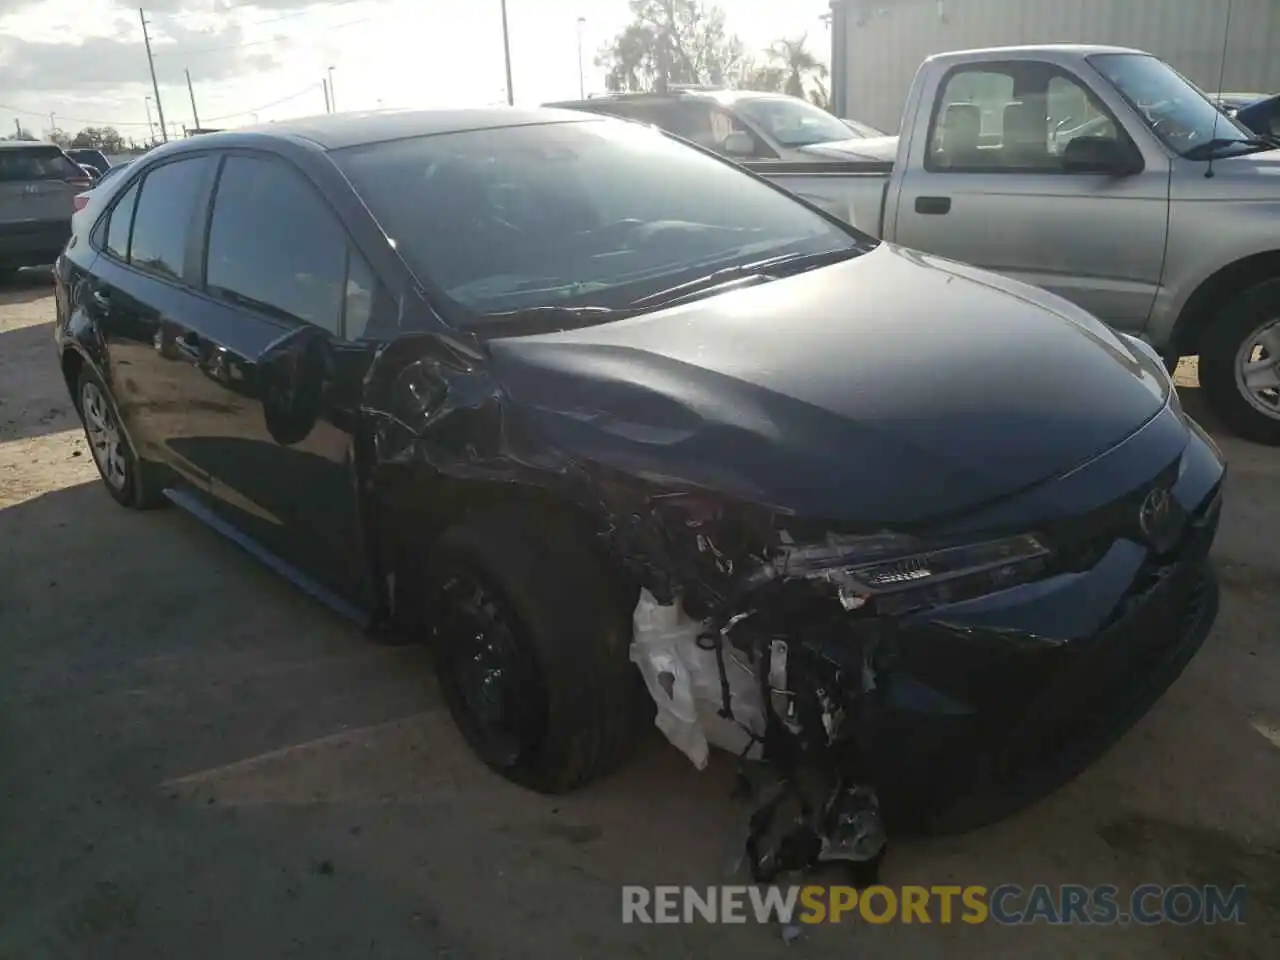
[
  {"x": 310, "y": 88},
  {"x": 176, "y": 49}
]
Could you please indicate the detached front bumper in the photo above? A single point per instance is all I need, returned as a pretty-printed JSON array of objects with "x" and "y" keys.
[{"x": 991, "y": 705}]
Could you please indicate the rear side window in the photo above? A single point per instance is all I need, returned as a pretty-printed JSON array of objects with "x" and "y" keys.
[
  {"x": 170, "y": 205},
  {"x": 36, "y": 163},
  {"x": 118, "y": 225},
  {"x": 275, "y": 246}
]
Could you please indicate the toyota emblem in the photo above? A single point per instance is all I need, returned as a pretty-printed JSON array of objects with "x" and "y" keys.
[{"x": 1155, "y": 513}]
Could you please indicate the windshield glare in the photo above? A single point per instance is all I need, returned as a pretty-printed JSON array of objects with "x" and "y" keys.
[
  {"x": 1177, "y": 111},
  {"x": 793, "y": 122},
  {"x": 596, "y": 212}
]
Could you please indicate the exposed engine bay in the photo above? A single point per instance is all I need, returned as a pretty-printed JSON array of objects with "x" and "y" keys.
[{"x": 746, "y": 688}]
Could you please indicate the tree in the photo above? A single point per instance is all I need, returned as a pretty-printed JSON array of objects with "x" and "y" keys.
[
  {"x": 798, "y": 62},
  {"x": 106, "y": 139},
  {"x": 767, "y": 77},
  {"x": 670, "y": 42},
  {"x": 20, "y": 133}
]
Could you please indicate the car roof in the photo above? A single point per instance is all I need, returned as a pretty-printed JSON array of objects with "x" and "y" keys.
[
  {"x": 335, "y": 131},
  {"x": 25, "y": 144}
]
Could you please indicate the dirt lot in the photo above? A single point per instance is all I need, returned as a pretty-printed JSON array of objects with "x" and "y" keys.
[{"x": 197, "y": 761}]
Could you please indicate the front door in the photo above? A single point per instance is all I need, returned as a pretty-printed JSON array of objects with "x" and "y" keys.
[
  {"x": 992, "y": 191},
  {"x": 285, "y": 307}
]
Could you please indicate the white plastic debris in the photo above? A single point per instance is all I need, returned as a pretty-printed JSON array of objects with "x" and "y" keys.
[{"x": 684, "y": 681}]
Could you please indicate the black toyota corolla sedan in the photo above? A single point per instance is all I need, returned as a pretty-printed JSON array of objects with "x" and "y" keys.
[{"x": 487, "y": 378}]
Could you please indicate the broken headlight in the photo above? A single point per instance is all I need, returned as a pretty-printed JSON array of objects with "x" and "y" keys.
[{"x": 896, "y": 574}]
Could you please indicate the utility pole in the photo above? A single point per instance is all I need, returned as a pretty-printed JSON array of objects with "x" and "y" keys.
[
  {"x": 53, "y": 125},
  {"x": 151, "y": 127},
  {"x": 328, "y": 108},
  {"x": 195, "y": 115},
  {"x": 17, "y": 128},
  {"x": 582, "y": 84},
  {"x": 333, "y": 94},
  {"x": 151, "y": 63},
  {"x": 506, "y": 53}
]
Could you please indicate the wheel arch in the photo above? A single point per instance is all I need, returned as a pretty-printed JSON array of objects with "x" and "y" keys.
[
  {"x": 1202, "y": 306},
  {"x": 413, "y": 505}
]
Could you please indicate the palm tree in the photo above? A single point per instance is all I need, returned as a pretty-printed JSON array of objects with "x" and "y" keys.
[{"x": 798, "y": 61}]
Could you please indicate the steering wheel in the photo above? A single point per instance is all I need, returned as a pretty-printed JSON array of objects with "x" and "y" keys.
[{"x": 1169, "y": 128}]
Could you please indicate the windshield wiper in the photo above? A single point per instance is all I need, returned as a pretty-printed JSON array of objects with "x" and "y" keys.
[
  {"x": 780, "y": 266},
  {"x": 1203, "y": 151},
  {"x": 547, "y": 318}
]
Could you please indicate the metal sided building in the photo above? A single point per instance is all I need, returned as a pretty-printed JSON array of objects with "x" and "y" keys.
[{"x": 877, "y": 45}]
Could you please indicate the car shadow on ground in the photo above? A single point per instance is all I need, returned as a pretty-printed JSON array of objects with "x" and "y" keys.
[
  {"x": 25, "y": 286},
  {"x": 34, "y": 399}
]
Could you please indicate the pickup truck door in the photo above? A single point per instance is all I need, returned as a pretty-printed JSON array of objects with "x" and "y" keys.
[{"x": 985, "y": 183}]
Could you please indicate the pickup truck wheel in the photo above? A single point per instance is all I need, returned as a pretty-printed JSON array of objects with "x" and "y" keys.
[
  {"x": 1240, "y": 364},
  {"x": 531, "y": 651}
]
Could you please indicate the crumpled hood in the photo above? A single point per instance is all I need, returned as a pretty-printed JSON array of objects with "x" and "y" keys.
[
  {"x": 893, "y": 388},
  {"x": 882, "y": 149}
]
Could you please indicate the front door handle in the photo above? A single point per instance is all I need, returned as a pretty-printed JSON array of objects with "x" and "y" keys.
[{"x": 933, "y": 206}]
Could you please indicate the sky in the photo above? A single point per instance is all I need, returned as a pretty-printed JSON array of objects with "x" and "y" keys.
[{"x": 259, "y": 60}]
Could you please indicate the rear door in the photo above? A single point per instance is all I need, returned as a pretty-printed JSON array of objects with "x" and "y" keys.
[
  {"x": 141, "y": 297},
  {"x": 285, "y": 339}
]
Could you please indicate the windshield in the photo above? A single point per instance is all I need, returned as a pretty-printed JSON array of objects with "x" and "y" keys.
[
  {"x": 599, "y": 212},
  {"x": 793, "y": 122},
  {"x": 1178, "y": 113}
]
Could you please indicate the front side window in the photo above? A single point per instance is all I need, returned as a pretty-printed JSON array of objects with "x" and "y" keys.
[
  {"x": 793, "y": 122},
  {"x": 1017, "y": 117},
  {"x": 1177, "y": 112},
  {"x": 171, "y": 200},
  {"x": 275, "y": 246},
  {"x": 593, "y": 212}
]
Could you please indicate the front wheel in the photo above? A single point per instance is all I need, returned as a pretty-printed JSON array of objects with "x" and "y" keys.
[
  {"x": 531, "y": 650},
  {"x": 1240, "y": 364}
]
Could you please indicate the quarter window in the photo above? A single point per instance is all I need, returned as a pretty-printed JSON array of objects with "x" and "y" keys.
[
  {"x": 169, "y": 205},
  {"x": 276, "y": 247},
  {"x": 119, "y": 223}
]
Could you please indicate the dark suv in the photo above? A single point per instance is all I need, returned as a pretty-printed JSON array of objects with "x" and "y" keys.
[{"x": 38, "y": 184}]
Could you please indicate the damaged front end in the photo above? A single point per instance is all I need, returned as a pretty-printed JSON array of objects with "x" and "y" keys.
[{"x": 791, "y": 671}]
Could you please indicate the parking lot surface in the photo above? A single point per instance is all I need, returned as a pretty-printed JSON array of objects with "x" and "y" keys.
[{"x": 198, "y": 761}]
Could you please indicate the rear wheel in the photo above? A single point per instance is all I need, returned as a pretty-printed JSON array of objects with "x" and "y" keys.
[
  {"x": 1240, "y": 364},
  {"x": 131, "y": 482},
  {"x": 531, "y": 650}
]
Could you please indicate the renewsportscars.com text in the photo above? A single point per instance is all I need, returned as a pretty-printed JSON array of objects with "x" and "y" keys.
[{"x": 1008, "y": 904}]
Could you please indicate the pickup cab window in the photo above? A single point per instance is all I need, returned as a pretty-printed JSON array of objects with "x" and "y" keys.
[{"x": 1015, "y": 117}]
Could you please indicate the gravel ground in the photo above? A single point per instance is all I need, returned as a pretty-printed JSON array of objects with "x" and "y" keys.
[{"x": 197, "y": 761}]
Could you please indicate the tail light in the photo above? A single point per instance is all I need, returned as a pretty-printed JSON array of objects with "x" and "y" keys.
[{"x": 81, "y": 201}]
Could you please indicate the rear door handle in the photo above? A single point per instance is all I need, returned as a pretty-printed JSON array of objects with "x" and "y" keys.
[
  {"x": 935, "y": 206},
  {"x": 101, "y": 299},
  {"x": 188, "y": 345}
]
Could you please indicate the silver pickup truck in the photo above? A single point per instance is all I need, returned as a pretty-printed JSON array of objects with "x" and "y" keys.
[{"x": 1099, "y": 174}]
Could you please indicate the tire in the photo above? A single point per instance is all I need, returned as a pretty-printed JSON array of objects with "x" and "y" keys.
[
  {"x": 1228, "y": 333},
  {"x": 133, "y": 483},
  {"x": 548, "y": 605}
]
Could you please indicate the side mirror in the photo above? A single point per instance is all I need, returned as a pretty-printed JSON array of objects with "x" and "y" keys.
[
  {"x": 1101, "y": 155},
  {"x": 739, "y": 144}
]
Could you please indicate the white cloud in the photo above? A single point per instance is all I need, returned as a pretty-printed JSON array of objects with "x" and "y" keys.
[{"x": 84, "y": 59}]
